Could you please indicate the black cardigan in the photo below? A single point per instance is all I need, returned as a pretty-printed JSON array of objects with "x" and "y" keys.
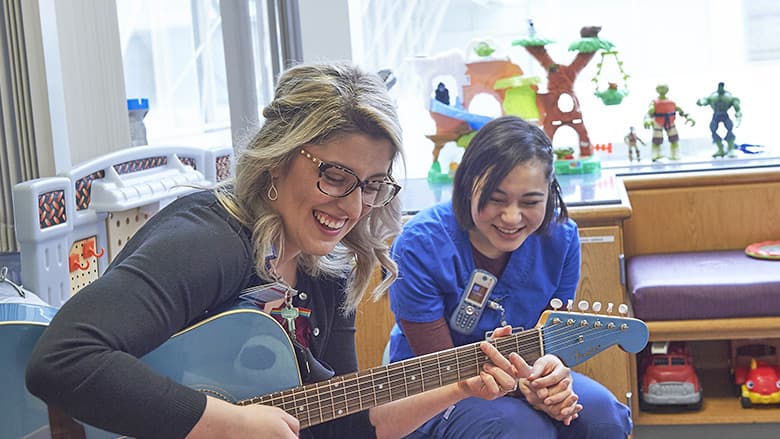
[{"x": 188, "y": 259}]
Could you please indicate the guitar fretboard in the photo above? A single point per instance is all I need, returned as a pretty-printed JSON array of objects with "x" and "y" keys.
[{"x": 342, "y": 395}]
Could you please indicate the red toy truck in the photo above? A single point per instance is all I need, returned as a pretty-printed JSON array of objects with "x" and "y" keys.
[{"x": 668, "y": 377}]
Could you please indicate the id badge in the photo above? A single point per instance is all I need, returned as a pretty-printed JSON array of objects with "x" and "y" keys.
[{"x": 266, "y": 293}]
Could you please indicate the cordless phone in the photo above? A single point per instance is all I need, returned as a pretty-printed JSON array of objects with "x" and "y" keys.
[{"x": 466, "y": 315}]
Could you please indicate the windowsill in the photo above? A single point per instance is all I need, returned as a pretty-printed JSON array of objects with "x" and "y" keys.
[
  {"x": 603, "y": 188},
  {"x": 696, "y": 155}
]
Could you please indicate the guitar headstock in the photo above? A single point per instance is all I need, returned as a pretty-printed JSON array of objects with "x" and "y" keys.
[{"x": 576, "y": 336}]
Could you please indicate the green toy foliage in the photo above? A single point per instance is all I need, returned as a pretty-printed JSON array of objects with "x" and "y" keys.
[
  {"x": 590, "y": 45},
  {"x": 484, "y": 49},
  {"x": 532, "y": 41},
  {"x": 464, "y": 140}
]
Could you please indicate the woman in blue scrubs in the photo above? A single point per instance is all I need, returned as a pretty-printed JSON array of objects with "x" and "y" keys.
[{"x": 506, "y": 217}]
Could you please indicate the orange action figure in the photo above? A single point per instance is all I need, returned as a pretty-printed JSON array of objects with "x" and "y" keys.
[{"x": 661, "y": 118}]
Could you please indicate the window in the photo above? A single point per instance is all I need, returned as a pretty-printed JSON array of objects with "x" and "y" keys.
[
  {"x": 691, "y": 46},
  {"x": 173, "y": 55}
]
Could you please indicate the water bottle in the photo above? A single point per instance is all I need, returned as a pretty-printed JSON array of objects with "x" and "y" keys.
[{"x": 136, "y": 110}]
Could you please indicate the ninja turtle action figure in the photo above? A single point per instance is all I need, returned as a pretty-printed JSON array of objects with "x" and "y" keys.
[{"x": 661, "y": 118}]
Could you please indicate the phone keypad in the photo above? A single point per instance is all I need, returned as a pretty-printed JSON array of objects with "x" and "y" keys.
[{"x": 466, "y": 317}]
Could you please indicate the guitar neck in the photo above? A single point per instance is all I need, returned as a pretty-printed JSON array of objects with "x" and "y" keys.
[{"x": 346, "y": 394}]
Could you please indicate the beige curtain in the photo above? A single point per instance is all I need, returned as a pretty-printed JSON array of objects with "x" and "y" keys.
[{"x": 17, "y": 136}]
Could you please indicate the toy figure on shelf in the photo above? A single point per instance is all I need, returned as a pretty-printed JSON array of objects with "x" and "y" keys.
[
  {"x": 631, "y": 139},
  {"x": 484, "y": 48},
  {"x": 660, "y": 118},
  {"x": 442, "y": 94},
  {"x": 721, "y": 101},
  {"x": 565, "y": 153},
  {"x": 560, "y": 81},
  {"x": 612, "y": 95}
]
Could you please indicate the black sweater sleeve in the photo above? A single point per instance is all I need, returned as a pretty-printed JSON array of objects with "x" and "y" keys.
[{"x": 189, "y": 258}]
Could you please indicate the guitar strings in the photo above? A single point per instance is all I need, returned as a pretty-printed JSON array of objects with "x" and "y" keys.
[
  {"x": 390, "y": 376},
  {"x": 343, "y": 395},
  {"x": 477, "y": 357},
  {"x": 348, "y": 384}
]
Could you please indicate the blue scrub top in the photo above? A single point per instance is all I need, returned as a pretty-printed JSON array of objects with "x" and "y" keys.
[{"x": 435, "y": 262}]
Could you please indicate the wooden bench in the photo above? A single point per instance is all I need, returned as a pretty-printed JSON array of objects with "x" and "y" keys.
[{"x": 699, "y": 213}]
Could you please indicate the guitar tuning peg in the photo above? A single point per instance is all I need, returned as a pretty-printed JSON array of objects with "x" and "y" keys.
[
  {"x": 583, "y": 305},
  {"x": 556, "y": 304},
  {"x": 569, "y": 305},
  {"x": 596, "y": 306},
  {"x": 623, "y": 309},
  {"x": 610, "y": 305}
]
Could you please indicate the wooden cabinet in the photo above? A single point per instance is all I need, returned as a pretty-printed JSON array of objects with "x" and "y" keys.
[
  {"x": 373, "y": 320},
  {"x": 703, "y": 211},
  {"x": 601, "y": 281}
]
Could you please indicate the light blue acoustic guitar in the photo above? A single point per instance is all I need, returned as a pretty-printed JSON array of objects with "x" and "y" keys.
[{"x": 245, "y": 357}]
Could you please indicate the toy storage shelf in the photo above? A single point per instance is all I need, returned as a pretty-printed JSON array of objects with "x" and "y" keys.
[
  {"x": 720, "y": 406},
  {"x": 715, "y": 410},
  {"x": 715, "y": 329}
]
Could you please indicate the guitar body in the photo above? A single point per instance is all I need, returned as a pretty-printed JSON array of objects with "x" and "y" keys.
[{"x": 235, "y": 355}]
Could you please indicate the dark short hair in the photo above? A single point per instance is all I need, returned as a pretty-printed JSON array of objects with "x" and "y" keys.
[{"x": 497, "y": 148}]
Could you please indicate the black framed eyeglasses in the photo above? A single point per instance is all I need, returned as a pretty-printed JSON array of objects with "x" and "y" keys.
[{"x": 338, "y": 182}]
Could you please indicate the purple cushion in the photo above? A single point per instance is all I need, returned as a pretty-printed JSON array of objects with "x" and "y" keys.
[{"x": 703, "y": 285}]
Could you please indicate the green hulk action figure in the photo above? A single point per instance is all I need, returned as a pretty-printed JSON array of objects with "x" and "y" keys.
[
  {"x": 721, "y": 101},
  {"x": 661, "y": 118}
]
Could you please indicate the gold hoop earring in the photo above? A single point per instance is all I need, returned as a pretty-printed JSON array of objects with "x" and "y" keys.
[{"x": 272, "y": 194}]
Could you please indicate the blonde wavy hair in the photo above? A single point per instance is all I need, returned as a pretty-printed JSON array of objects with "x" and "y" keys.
[{"x": 314, "y": 104}]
